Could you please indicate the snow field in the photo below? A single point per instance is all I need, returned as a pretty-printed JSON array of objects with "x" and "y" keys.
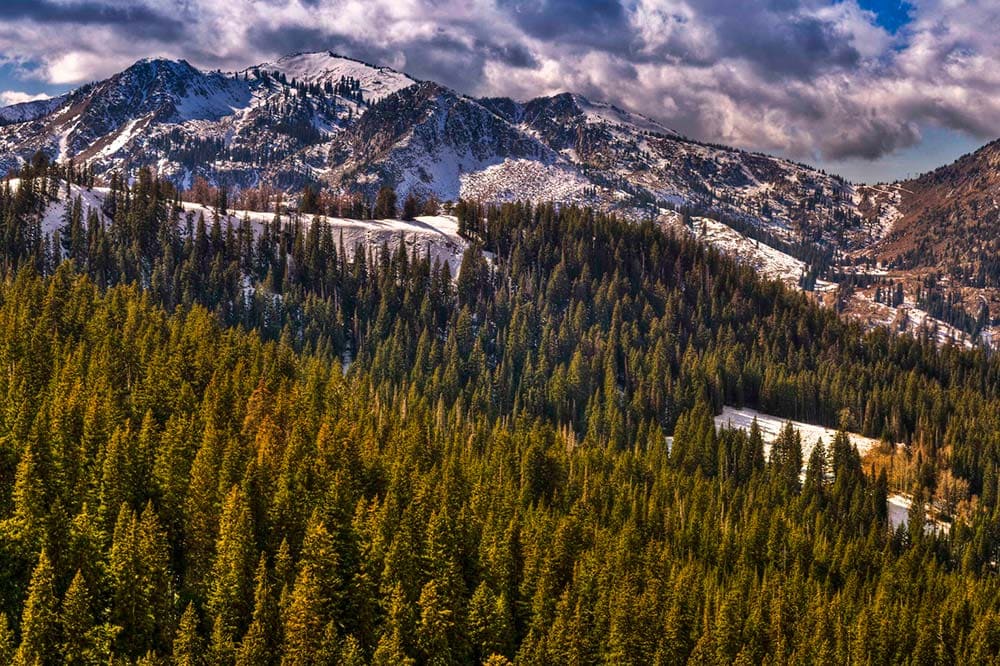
[{"x": 770, "y": 426}]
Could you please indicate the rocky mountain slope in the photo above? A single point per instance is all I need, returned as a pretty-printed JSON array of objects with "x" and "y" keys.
[
  {"x": 947, "y": 218},
  {"x": 931, "y": 249},
  {"x": 327, "y": 119},
  {"x": 324, "y": 119}
]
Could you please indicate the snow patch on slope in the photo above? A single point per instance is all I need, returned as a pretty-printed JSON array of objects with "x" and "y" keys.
[
  {"x": 768, "y": 261},
  {"x": 899, "y": 514},
  {"x": 435, "y": 235},
  {"x": 910, "y": 319},
  {"x": 520, "y": 180},
  {"x": 376, "y": 82},
  {"x": 53, "y": 217},
  {"x": 222, "y": 98},
  {"x": 888, "y": 200},
  {"x": 124, "y": 135},
  {"x": 770, "y": 426}
]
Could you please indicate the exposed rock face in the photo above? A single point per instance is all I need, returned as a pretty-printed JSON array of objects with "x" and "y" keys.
[{"x": 319, "y": 117}]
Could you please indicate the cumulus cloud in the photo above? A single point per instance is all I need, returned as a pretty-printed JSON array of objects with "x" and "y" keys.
[
  {"x": 8, "y": 97},
  {"x": 812, "y": 79}
]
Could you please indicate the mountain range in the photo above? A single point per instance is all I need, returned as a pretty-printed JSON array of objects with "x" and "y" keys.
[{"x": 321, "y": 118}]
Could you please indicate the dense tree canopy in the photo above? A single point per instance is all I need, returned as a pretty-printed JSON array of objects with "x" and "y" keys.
[{"x": 221, "y": 447}]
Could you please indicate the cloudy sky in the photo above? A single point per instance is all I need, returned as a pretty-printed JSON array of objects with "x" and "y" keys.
[{"x": 871, "y": 89}]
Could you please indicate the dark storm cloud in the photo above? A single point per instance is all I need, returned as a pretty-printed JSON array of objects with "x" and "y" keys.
[
  {"x": 140, "y": 20},
  {"x": 808, "y": 78},
  {"x": 444, "y": 55},
  {"x": 302, "y": 38},
  {"x": 776, "y": 36},
  {"x": 767, "y": 43},
  {"x": 590, "y": 23},
  {"x": 514, "y": 55},
  {"x": 764, "y": 32}
]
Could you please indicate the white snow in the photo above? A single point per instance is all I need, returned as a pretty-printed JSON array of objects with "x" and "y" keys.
[
  {"x": 899, "y": 514},
  {"x": 29, "y": 110},
  {"x": 520, "y": 180},
  {"x": 434, "y": 234},
  {"x": 771, "y": 426},
  {"x": 52, "y": 219},
  {"x": 376, "y": 82},
  {"x": 768, "y": 261},
  {"x": 437, "y": 235},
  {"x": 910, "y": 319},
  {"x": 918, "y": 320},
  {"x": 597, "y": 112},
  {"x": 124, "y": 135},
  {"x": 888, "y": 199},
  {"x": 63, "y": 137},
  {"x": 223, "y": 97}
]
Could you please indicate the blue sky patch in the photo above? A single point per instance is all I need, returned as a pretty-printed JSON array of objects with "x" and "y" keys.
[{"x": 891, "y": 14}]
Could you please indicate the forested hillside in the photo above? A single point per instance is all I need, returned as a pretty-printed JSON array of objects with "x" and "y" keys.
[{"x": 221, "y": 447}]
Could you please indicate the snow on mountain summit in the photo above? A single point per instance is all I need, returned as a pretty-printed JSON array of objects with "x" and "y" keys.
[
  {"x": 341, "y": 123},
  {"x": 173, "y": 89},
  {"x": 609, "y": 113},
  {"x": 326, "y": 66}
]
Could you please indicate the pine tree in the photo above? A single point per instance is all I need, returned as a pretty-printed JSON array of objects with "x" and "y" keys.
[
  {"x": 488, "y": 623},
  {"x": 411, "y": 206},
  {"x": 201, "y": 512},
  {"x": 142, "y": 593},
  {"x": 385, "y": 204},
  {"x": 29, "y": 495},
  {"x": 221, "y": 648},
  {"x": 314, "y": 600},
  {"x": 392, "y": 648},
  {"x": 916, "y": 520},
  {"x": 7, "y": 643},
  {"x": 40, "y": 620},
  {"x": 77, "y": 621},
  {"x": 304, "y": 621},
  {"x": 156, "y": 578},
  {"x": 257, "y": 646},
  {"x": 815, "y": 472},
  {"x": 435, "y": 628},
  {"x": 351, "y": 653},
  {"x": 786, "y": 456},
  {"x": 188, "y": 646},
  {"x": 229, "y": 596}
]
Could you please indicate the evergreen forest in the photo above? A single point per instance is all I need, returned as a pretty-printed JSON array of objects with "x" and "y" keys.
[{"x": 222, "y": 447}]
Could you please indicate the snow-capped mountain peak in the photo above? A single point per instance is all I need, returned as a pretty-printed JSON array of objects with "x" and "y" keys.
[
  {"x": 174, "y": 90},
  {"x": 342, "y": 123},
  {"x": 325, "y": 66}
]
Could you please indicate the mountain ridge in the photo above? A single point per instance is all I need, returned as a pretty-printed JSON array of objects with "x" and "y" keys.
[
  {"x": 339, "y": 123},
  {"x": 299, "y": 119}
]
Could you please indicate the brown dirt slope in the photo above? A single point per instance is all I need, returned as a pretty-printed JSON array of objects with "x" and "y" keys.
[{"x": 950, "y": 218}]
